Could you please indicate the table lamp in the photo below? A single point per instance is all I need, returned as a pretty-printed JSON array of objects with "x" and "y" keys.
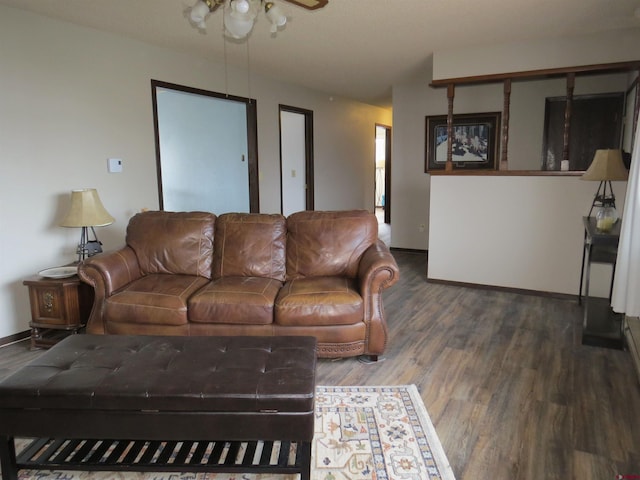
[
  {"x": 606, "y": 166},
  {"x": 86, "y": 211}
]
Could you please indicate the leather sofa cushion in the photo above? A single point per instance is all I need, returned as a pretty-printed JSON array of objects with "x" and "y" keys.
[
  {"x": 179, "y": 243},
  {"x": 235, "y": 300},
  {"x": 250, "y": 245},
  {"x": 328, "y": 243},
  {"x": 319, "y": 301},
  {"x": 155, "y": 299}
]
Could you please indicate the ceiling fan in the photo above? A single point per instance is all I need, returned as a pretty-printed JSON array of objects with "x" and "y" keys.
[{"x": 240, "y": 15}]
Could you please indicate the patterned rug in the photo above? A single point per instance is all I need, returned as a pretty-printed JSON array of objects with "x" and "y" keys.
[{"x": 362, "y": 433}]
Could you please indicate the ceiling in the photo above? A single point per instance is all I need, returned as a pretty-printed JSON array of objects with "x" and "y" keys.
[{"x": 350, "y": 48}]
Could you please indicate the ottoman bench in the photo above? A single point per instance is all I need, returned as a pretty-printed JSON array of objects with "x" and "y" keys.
[{"x": 158, "y": 403}]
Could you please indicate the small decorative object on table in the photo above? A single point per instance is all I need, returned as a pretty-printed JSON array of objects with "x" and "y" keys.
[{"x": 606, "y": 217}]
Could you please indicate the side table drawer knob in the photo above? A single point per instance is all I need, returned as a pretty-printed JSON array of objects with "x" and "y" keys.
[{"x": 47, "y": 299}]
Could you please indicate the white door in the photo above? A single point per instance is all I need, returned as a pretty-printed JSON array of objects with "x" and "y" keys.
[
  {"x": 293, "y": 157},
  {"x": 203, "y": 152}
]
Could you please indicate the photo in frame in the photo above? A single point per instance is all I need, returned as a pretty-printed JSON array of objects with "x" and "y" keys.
[{"x": 475, "y": 141}]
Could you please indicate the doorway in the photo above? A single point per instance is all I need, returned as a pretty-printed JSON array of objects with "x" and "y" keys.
[
  {"x": 382, "y": 183},
  {"x": 296, "y": 160},
  {"x": 206, "y": 150}
]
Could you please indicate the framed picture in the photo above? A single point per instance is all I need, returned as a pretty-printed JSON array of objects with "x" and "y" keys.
[{"x": 475, "y": 141}]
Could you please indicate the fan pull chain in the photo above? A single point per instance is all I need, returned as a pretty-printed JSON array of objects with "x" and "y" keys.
[
  {"x": 248, "y": 73},
  {"x": 226, "y": 72}
]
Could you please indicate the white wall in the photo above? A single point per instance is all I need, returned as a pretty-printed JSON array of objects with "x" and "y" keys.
[
  {"x": 412, "y": 189},
  {"x": 71, "y": 97},
  {"x": 592, "y": 49},
  {"x": 517, "y": 232}
]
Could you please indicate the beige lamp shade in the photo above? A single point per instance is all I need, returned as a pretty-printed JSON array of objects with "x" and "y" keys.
[
  {"x": 606, "y": 165},
  {"x": 86, "y": 210}
]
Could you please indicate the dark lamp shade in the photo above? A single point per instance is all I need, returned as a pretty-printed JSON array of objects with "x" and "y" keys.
[
  {"x": 86, "y": 210},
  {"x": 606, "y": 166}
]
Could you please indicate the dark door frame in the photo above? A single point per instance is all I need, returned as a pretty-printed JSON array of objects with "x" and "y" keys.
[
  {"x": 308, "y": 153},
  {"x": 252, "y": 136}
]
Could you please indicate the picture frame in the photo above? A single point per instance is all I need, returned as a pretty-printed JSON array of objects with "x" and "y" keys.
[{"x": 475, "y": 146}]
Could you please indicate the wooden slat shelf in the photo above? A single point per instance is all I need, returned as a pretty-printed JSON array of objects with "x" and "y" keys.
[{"x": 139, "y": 455}]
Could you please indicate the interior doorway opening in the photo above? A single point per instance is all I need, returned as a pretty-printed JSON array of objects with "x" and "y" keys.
[
  {"x": 382, "y": 184},
  {"x": 296, "y": 160}
]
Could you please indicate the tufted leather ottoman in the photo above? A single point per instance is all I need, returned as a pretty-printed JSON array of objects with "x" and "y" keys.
[{"x": 110, "y": 402}]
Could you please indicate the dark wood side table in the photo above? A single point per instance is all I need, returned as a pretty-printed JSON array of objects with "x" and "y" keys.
[
  {"x": 59, "y": 307},
  {"x": 601, "y": 325}
]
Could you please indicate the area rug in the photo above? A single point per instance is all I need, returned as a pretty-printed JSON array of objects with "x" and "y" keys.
[{"x": 361, "y": 433}]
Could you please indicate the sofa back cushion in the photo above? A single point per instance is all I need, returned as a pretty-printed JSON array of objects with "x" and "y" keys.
[
  {"x": 250, "y": 245},
  {"x": 173, "y": 242},
  {"x": 328, "y": 243}
]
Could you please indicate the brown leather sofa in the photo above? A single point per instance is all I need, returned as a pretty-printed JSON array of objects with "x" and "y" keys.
[{"x": 191, "y": 273}]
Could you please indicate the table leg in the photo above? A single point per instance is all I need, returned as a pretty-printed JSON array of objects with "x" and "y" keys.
[
  {"x": 584, "y": 254},
  {"x": 586, "y": 293},
  {"x": 8, "y": 458},
  {"x": 305, "y": 473}
]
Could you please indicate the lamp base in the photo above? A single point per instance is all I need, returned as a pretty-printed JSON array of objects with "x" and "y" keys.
[
  {"x": 88, "y": 248},
  {"x": 601, "y": 198}
]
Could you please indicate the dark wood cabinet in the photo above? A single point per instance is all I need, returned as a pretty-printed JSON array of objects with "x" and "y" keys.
[{"x": 59, "y": 307}]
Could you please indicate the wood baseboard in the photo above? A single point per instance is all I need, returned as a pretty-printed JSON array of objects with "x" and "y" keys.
[
  {"x": 16, "y": 337},
  {"x": 522, "y": 291},
  {"x": 632, "y": 336},
  {"x": 410, "y": 250}
]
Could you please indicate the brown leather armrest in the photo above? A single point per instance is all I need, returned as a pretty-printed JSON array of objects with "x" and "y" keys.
[
  {"x": 110, "y": 271},
  {"x": 107, "y": 273},
  {"x": 377, "y": 270}
]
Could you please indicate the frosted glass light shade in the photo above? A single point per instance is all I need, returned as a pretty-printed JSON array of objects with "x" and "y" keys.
[
  {"x": 238, "y": 24},
  {"x": 241, "y": 6},
  {"x": 275, "y": 16},
  {"x": 198, "y": 14}
]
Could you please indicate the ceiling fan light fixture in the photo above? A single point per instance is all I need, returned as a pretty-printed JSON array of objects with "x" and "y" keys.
[
  {"x": 240, "y": 15},
  {"x": 275, "y": 16},
  {"x": 198, "y": 15},
  {"x": 239, "y": 18}
]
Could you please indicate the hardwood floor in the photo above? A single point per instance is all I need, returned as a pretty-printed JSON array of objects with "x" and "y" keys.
[{"x": 510, "y": 389}]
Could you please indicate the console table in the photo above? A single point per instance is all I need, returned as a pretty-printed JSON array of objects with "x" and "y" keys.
[{"x": 601, "y": 326}]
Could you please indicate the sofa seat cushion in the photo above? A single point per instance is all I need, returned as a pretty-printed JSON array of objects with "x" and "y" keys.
[
  {"x": 319, "y": 301},
  {"x": 158, "y": 299},
  {"x": 235, "y": 300}
]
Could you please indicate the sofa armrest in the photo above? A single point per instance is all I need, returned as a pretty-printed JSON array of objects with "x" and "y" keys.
[
  {"x": 377, "y": 270},
  {"x": 106, "y": 273}
]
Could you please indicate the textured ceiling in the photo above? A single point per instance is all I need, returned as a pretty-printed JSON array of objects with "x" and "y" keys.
[{"x": 350, "y": 48}]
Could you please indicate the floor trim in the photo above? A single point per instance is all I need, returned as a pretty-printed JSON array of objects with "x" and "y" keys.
[
  {"x": 522, "y": 291},
  {"x": 16, "y": 337}
]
